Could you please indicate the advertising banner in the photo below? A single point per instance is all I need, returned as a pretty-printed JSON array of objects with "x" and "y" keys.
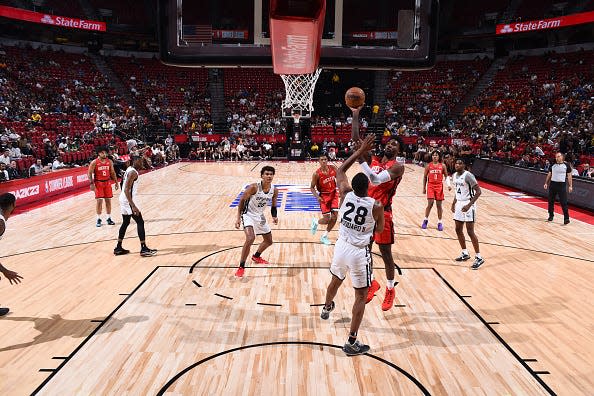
[
  {"x": 544, "y": 24},
  {"x": 54, "y": 20},
  {"x": 37, "y": 188}
]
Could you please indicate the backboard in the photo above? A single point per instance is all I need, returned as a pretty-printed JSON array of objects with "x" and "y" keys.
[{"x": 384, "y": 34}]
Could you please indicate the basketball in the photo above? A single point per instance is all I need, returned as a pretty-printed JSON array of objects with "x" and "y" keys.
[{"x": 354, "y": 97}]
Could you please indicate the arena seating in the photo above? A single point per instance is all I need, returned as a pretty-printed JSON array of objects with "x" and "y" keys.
[
  {"x": 70, "y": 8},
  {"x": 123, "y": 11},
  {"x": 60, "y": 87},
  {"x": 532, "y": 95},
  {"x": 533, "y": 9},
  {"x": 528, "y": 98}
]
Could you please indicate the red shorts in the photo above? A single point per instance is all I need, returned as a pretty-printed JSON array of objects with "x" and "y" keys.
[
  {"x": 435, "y": 192},
  {"x": 329, "y": 202},
  {"x": 386, "y": 237},
  {"x": 103, "y": 189}
]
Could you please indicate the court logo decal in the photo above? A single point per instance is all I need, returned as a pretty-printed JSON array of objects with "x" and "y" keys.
[{"x": 291, "y": 198}]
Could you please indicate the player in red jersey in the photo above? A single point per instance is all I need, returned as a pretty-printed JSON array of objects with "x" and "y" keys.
[
  {"x": 323, "y": 187},
  {"x": 384, "y": 174},
  {"x": 435, "y": 171},
  {"x": 101, "y": 173}
]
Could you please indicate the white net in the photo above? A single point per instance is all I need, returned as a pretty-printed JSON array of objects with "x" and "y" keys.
[{"x": 300, "y": 90}]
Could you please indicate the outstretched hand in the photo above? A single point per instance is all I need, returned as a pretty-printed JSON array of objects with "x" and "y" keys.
[
  {"x": 366, "y": 144},
  {"x": 357, "y": 109},
  {"x": 12, "y": 277}
]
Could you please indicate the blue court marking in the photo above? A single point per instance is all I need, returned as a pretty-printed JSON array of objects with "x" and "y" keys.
[{"x": 299, "y": 198}]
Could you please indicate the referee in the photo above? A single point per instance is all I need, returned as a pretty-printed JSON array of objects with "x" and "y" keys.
[{"x": 560, "y": 179}]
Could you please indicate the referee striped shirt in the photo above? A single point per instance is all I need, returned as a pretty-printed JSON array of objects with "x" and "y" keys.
[{"x": 559, "y": 172}]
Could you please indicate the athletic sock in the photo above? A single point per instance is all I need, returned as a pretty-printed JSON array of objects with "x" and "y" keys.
[
  {"x": 257, "y": 254},
  {"x": 390, "y": 284},
  {"x": 98, "y": 217},
  {"x": 352, "y": 338},
  {"x": 465, "y": 251},
  {"x": 372, "y": 277},
  {"x": 478, "y": 255},
  {"x": 325, "y": 234},
  {"x": 242, "y": 264},
  {"x": 119, "y": 245},
  {"x": 439, "y": 221},
  {"x": 426, "y": 219},
  {"x": 143, "y": 245}
]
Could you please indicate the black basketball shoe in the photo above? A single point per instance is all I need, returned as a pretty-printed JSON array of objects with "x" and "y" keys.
[
  {"x": 119, "y": 251},
  {"x": 326, "y": 312},
  {"x": 146, "y": 252},
  {"x": 355, "y": 349},
  {"x": 478, "y": 261}
]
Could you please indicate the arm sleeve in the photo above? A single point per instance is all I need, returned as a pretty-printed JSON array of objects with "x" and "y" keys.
[{"x": 382, "y": 177}]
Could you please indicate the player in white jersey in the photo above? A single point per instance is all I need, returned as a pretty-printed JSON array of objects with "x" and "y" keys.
[
  {"x": 464, "y": 209},
  {"x": 7, "y": 204},
  {"x": 360, "y": 215},
  {"x": 130, "y": 210},
  {"x": 250, "y": 214}
]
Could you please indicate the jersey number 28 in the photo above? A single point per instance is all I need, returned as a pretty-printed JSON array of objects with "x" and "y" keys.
[{"x": 360, "y": 215}]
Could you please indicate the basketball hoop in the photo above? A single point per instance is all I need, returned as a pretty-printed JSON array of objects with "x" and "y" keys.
[{"x": 299, "y": 89}]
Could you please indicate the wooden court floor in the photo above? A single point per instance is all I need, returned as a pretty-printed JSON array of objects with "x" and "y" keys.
[{"x": 86, "y": 322}]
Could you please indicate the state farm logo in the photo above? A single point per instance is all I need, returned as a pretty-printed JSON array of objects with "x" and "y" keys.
[
  {"x": 506, "y": 29},
  {"x": 530, "y": 26},
  {"x": 47, "y": 19}
]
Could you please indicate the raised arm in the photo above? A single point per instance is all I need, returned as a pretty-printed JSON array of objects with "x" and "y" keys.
[
  {"x": 355, "y": 125},
  {"x": 396, "y": 171},
  {"x": 355, "y": 137},
  {"x": 251, "y": 190},
  {"x": 341, "y": 179}
]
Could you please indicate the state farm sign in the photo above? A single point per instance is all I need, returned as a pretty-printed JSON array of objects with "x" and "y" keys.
[
  {"x": 73, "y": 23},
  {"x": 55, "y": 20},
  {"x": 544, "y": 24}
]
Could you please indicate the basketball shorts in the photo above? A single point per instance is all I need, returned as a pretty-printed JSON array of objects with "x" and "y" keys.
[
  {"x": 468, "y": 216},
  {"x": 258, "y": 223},
  {"x": 125, "y": 207},
  {"x": 386, "y": 237},
  {"x": 329, "y": 202},
  {"x": 435, "y": 192},
  {"x": 353, "y": 260},
  {"x": 103, "y": 189}
]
